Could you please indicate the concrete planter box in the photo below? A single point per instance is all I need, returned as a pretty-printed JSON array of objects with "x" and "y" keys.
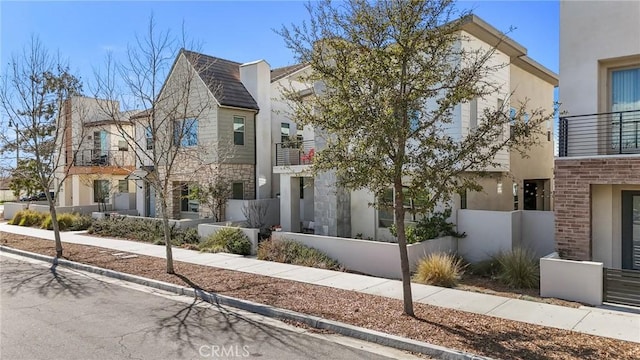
[
  {"x": 571, "y": 280},
  {"x": 370, "y": 257},
  {"x": 205, "y": 230}
]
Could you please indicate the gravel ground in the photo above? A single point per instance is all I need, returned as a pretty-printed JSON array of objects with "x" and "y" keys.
[{"x": 479, "y": 334}]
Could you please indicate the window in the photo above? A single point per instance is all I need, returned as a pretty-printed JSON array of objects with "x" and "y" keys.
[
  {"x": 101, "y": 191},
  {"x": 99, "y": 143},
  {"x": 385, "y": 212},
  {"x": 473, "y": 114},
  {"x": 122, "y": 145},
  {"x": 414, "y": 208},
  {"x": 238, "y": 130},
  {"x": 285, "y": 132},
  {"x": 148, "y": 135},
  {"x": 185, "y": 132},
  {"x": 187, "y": 203},
  {"x": 123, "y": 186},
  {"x": 463, "y": 199},
  {"x": 515, "y": 196},
  {"x": 512, "y": 121},
  {"x": 625, "y": 96},
  {"x": 237, "y": 191}
]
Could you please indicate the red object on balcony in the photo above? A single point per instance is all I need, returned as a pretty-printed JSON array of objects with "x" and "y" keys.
[{"x": 308, "y": 157}]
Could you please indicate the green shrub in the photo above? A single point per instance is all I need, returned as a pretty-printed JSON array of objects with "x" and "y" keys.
[
  {"x": 81, "y": 222},
  {"x": 486, "y": 268},
  {"x": 28, "y": 218},
  {"x": 185, "y": 236},
  {"x": 439, "y": 269},
  {"x": 227, "y": 239},
  {"x": 519, "y": 269},
  {"x": 291, "y": 252},
  {"x": 429, "y": 227},
  {"x": 147, "y": 230},
  {"x": 65, "y": 221}
]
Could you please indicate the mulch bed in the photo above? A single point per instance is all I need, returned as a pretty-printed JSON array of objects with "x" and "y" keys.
[{"x": 478, "y": 334}]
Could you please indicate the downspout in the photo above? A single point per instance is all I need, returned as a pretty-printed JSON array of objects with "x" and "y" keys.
[{"x": 255, "y": 154}]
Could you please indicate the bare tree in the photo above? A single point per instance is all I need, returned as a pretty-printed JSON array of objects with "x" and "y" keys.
[
  {"x": 35, "y": 99},
  {"x": 165, "y": 140},
  {"x": 255, "y": 211}
]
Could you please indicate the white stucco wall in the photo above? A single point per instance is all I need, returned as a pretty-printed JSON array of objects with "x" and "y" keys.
[
  {"x": 370, "y": 257},
  {"x": 571, "y": 280},
  {"x": 591, "y": 31},
  {"x": 488, "y": 233},
  {"x": 256, "y": 77}
]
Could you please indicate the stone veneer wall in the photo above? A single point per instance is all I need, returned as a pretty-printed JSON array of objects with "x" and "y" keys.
[
  {"x": 233, "y": 172},
  {"x": 332, "y": 206},
  {"x": 573, "y": 179}
]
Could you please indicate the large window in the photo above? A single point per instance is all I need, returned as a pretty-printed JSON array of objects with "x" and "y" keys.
[
  {"x": 414, "y": 208},
  {"x": 625, "y": 96},
  {"x": 185, "y": 132},
  {"x": 237, "y": 191},
  {"x": 187, "y": 202},
  {"x": 238, "y": 130},
  {"x": 101, "y": 191}
]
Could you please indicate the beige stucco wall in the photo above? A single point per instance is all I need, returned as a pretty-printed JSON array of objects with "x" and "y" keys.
[
  {"x": 490, "y": 198},
  {"x": 591, "y": 31},
  {"x": 79, "y": 190},
  {"x": 500, "y": 78},
  {"x": 538, "y": 94}
]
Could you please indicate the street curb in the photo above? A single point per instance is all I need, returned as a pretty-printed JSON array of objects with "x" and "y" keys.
[{"x": 374, "y": 336}]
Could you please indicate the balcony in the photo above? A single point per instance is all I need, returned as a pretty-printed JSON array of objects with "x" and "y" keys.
[
  {"x": 113, "y": 158},
  {"x": 611, "y": 133},
  {"x": 295, "y": 152}
]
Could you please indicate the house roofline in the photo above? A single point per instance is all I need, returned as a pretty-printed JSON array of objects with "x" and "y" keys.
[{"x": 486, "y": 32}]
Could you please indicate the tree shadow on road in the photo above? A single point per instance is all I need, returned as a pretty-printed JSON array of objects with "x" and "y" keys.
[
  {"x": 209, "y": 323},
  {"x": 46, "y": 281}
]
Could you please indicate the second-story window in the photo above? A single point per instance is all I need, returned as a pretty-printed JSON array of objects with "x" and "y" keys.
[
  {"x": 238, "y": 130},
  {"x": 148, "y": 135},
  {"x": 285, "y": 131},
  {"x": 185, "y": 132}
]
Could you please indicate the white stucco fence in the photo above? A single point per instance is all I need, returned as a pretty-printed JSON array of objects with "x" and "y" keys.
[
  {"x": 10, "y": 209},
  {"x": 205, "y": 230},
  {"x": 571, "y": 280},
  {"x": 491, "y": 232},
  {"x": 370, "y": 257},
  {"x": 233, "y": 212}
]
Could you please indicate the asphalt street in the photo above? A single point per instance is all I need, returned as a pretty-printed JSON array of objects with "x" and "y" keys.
[{"x": 52, "y": 313}]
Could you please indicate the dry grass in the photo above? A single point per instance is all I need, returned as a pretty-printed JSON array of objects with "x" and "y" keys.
[
  {"x": 479, "y": 334},
  {"x": 439, "y": 269}
]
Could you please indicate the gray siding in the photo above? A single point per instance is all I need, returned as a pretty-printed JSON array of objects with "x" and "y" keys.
[{"x": 242, "y": 154}]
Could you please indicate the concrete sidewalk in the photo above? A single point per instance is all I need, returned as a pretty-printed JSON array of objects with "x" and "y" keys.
[{"x": 589, "y": 320}]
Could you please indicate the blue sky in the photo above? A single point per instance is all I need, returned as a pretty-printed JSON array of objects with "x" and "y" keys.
[{"x": 83, "y": 32}]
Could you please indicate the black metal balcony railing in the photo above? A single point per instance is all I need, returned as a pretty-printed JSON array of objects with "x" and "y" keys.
[
  {"x": 117, "y": 158},
  {"x": 600, "y": 134},
  {"x": 295, "y": 152}
]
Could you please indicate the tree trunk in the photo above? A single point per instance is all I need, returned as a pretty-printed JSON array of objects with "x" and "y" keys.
[
  {"x": 167, "y": 237},
  {"x": 402, "y": 245},
  {"x": 56, "y": 228}
]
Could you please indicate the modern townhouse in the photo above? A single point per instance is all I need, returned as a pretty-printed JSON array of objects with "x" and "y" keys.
[
  {"x": 597, "y": 172},
  {"x": 314, "y": 204},
  {"x": 96, "y": 156}
]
